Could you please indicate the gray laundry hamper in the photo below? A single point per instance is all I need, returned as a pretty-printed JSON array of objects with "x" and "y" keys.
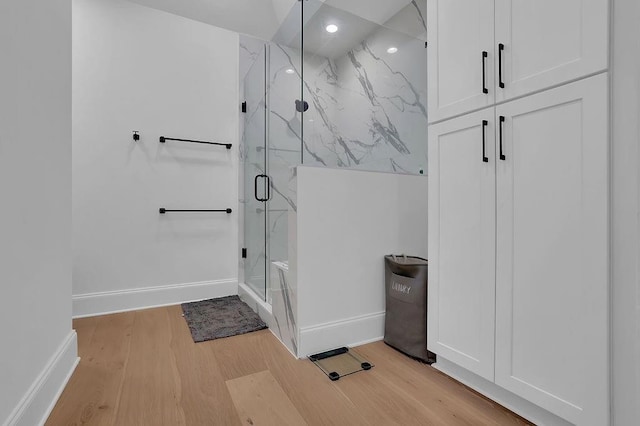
[{"x": 405, "y": 326}]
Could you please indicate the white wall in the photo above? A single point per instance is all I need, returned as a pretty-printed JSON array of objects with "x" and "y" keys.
[
  {"x": 136, "y": 68},
  {"x": 626, "y": 212},
  {"x": 346, "y": 222},
  {"x": 38, "y": 346}
]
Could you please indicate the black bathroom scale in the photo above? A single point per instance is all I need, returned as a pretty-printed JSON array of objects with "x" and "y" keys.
[{"x": 340, "y": 362}]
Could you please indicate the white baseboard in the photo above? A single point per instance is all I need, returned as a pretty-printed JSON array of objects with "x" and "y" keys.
[
  {"x": 348, "y": 332},
  {"x": 36, "y": 405},
  {"x": 110, "y": 302},
  {"x": 520, "y": 406}
]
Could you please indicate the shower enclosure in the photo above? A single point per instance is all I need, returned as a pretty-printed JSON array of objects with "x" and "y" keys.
[
  {"x": 271, "y": 144},
  {"x": 343, "y": 83}
]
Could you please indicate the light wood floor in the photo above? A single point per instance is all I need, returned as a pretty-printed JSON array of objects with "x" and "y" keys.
[{"x": 142, "y": 368}]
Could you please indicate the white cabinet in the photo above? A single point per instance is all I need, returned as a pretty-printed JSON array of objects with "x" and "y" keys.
[
  {"x": 462, "y": 241},
  {"x": 460, "y": 75},
  {"x": 552, "y": 250},
  {"x": 518, "y": 247},
  {"x": 483, "y": 52},
  {"x": 519, "y": 233},
  {"x": 548, "y": 42}
]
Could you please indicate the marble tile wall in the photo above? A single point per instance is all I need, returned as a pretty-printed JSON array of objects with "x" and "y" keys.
[
  {"x": 250, "y": 50},
  {"x": 367, "y": 107},
  {"x": 284, "y": 306}
]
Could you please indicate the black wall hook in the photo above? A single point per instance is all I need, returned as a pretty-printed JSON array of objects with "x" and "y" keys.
[{"x": 136, "y": 136}]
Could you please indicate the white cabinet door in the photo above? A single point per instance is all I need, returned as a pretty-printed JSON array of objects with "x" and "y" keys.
[
  {"x": 458, "y": 33},
  {"x": 548, "y": 42},
  {"x": 552, "y": 250},
  {"x": 461, "y": 298}
]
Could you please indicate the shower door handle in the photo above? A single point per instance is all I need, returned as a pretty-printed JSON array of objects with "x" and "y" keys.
[{"x": 255, "y": 188}]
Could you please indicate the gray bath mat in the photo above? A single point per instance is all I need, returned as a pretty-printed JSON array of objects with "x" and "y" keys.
[{"x": 217, "y": 318}]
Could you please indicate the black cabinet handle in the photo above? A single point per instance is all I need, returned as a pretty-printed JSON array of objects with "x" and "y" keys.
[
  {"x": 484, "y": 72},
  {"x": 502, "y": 119},
  {"x": 500, "y": 50},
  {"x": 484, "y": 127}
]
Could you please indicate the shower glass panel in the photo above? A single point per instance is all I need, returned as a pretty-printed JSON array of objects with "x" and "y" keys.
[
  {"x": 254, "y": 161},
  {"x": 271, "y": 145},
  {"x": 285, "y": 128},
  {"x": 365, "y": 79}
]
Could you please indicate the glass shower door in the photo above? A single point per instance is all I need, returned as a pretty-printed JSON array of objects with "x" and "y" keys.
[
  {"x": 271, "y": 146},
  {"x": 256, "y": 188}
]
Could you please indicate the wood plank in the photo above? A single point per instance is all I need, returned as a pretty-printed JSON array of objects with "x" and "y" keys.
[
  {"x": 379, "y": 403},
  {"x": 259, "y": 400},
  {"x": 85, "y": 328},
  {"x": 143, "y": 368},
  {"x": 151, "y": 388},
  {"x": 239, "y": 355},
  {"x": 204, "y": 397},
  {"x": 449, "y": 400},
  {"x": 308, "y": 387},
  {"x": 93, "y": 392}
]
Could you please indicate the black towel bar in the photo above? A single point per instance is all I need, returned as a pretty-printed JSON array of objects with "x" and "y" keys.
[
  {"x": 163, "y": 139},
  {"x": 164, "y": 211}
]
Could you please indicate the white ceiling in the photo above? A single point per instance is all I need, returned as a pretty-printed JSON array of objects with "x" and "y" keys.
[
  {"x": 259, "y": 18},
  {"x": 376, "y": 11},
  {"x": 392, "y": 19},
  {"x": 263, "y": 18}
]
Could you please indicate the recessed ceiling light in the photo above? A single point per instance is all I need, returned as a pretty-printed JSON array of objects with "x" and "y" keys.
[
  {"x": 289, "y": 71},
  {"x": 392, "y": 50},
  {"x": 332, "y": 28}
]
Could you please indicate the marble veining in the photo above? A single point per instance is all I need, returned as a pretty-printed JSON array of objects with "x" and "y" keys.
[
  {"x": 367, "y": 108},
  {"x": 250, "y": 50},
  {"x": 414, "y": 3},
  {"x": 283, "y": 306}
]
